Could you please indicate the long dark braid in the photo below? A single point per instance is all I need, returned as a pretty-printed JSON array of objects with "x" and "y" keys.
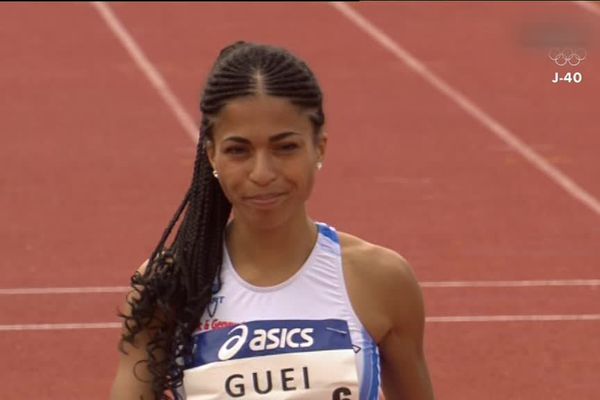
[{"x": 179, "y": 280}]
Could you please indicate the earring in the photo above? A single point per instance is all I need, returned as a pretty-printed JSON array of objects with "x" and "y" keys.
[
  {"x": 215, "y": 173},
  {"x": 319, "y": 165}
]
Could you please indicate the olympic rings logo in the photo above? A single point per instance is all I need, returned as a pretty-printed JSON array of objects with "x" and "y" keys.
[{"x": 564, "y": 56}]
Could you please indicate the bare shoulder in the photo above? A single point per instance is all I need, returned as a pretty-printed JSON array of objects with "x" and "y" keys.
[
  {"x": 381, "y": 284},
  {"x": 387, "y": 299},
  {"x": 375, "y": 262}
]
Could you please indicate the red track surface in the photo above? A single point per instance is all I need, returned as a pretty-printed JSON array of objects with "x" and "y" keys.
[{"x": 94, "y": 164}]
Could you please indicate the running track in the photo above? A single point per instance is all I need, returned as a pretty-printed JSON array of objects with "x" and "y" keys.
[{"x": 95, "y": 160}]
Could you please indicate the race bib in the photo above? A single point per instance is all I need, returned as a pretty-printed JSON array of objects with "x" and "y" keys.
[{"x": 279, "y": 359}]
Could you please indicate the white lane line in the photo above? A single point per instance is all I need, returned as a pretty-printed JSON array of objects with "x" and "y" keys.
[
  {"x": 154, "y": 76},
  {"x": 470, "y": 107},
  {"x": 445, "y": 319},
  {"x": 431, "y": 284},
  {"x": 589, "y": 6},
  {"x": 64, "y": 290},
  {"x": 510, "y": 284},
  {"x": 515, "y": 318},
  {"x": 60, "y": 327}
]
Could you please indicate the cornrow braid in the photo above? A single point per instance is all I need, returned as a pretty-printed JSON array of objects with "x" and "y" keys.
[{"x": 173, "y": 291}]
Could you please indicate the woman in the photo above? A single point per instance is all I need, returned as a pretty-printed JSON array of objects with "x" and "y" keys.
[{"x": 266, "y": 303}]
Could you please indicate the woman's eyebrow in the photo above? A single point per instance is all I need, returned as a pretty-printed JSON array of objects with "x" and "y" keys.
[
  {"x": 237, "y": 139},
  {"x": 282, "y": 135},
  {"x": 274, "y": 138}
]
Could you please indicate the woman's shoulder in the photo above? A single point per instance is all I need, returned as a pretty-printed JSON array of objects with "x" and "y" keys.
[
  {"x": 372, "y": 258},
  {"x": 381, "y": 284}
]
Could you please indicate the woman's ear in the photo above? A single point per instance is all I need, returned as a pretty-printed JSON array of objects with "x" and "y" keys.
[
  {"x": 210, "y": 152},
  {"x": 321, "y": 146}
]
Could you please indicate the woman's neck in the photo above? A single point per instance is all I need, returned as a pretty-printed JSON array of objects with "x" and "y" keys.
[{"x": 281, "y": 249}]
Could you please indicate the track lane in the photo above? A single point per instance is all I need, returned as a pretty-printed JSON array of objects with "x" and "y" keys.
[
  {"x": 94, "y": 164},
  {"x": 481, "y": 51},
  {"x": 55, "y": 365},
  {"x": 515, "y": 360}
]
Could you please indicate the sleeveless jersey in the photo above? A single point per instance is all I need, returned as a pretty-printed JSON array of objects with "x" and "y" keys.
[{"x": 300, "y": 339}]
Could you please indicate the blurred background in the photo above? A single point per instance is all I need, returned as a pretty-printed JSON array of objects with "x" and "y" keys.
[{"x": 464, "y": 135}]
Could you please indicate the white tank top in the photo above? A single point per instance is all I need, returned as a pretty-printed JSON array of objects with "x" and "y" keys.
[{"x": 299, "y": 339}]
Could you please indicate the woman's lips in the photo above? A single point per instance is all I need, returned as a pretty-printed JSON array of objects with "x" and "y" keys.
[{"x": 264, "y": 200}]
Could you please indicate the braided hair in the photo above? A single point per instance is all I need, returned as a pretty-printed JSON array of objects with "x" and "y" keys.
[{"x": 172, "y": 292}]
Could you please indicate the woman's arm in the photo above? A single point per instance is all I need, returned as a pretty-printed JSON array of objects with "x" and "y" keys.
[
  {"x": 126, "y": 385},
  {"x": 388, "y": 301},
  {"x": 404, "y": 369}
]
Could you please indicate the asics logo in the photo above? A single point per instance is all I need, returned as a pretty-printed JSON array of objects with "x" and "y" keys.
[
  {"x": 265, "y": 339},
  {"x": 234, "y": 344}
]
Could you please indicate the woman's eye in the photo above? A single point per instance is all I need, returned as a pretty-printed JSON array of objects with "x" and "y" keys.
[
  {"x": 235, "y": 150},
  {"x": 288, "y": 147}
]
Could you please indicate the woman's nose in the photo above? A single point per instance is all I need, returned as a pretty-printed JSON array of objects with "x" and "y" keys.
[{"x": 263, "y": 171}]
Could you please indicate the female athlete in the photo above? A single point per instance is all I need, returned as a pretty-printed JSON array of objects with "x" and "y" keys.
[{"x": 253, "y": 299}]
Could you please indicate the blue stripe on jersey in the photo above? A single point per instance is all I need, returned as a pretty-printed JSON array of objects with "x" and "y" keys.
[
  {"x": 376, "y": 375},
  {"x": 262, "y": 338},
  {"x": 328, "y": 232},
  {"x": 369, "y": 388}
]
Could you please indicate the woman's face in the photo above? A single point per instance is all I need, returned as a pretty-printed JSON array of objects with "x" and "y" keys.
[{"x": 264, "y": 151}]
